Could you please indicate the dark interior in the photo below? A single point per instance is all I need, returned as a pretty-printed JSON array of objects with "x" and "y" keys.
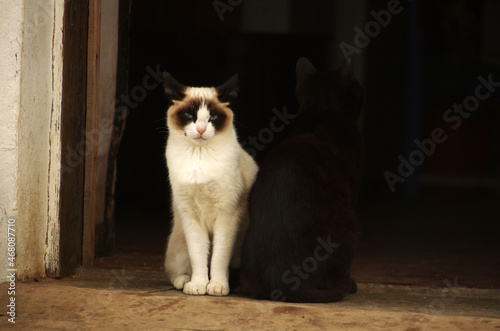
[{"x": 438, "y": 222}]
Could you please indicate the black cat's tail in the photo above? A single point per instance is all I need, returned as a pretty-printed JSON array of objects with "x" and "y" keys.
[
  {"x": 323, "y": 295},
  {"x": 310, "y": 294},
  {"x": 276, "y": 290}
]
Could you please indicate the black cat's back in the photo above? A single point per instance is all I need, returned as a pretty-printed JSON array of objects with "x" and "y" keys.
[{"x": 303, "y": 230}]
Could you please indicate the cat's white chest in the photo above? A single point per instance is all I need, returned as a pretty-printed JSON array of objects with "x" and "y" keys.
[{"x": 195, "y": 165}]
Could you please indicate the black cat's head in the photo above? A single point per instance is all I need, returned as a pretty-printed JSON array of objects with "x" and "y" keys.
[
  {"x": 328, "y": 95},
  {"x": 199, "y": 113}
]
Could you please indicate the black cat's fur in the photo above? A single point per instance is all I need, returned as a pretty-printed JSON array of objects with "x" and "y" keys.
[{"x": 303, "y": 230}]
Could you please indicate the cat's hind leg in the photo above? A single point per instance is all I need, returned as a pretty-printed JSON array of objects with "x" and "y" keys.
[
  {"x": 177, "y": 263},
  {"x": 180, "y": 281}
]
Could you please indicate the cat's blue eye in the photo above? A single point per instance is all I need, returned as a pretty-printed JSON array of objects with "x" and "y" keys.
[
  {"x": 213, "y": 118},
  {"x": 188, "y": 115}
]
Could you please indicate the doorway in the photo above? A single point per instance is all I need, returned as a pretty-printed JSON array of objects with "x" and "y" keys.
[{"x": 437, "y": 224}]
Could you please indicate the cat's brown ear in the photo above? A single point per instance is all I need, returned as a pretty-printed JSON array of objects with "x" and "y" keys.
[
  {"x": 173, "y": 88},
  {"x": 228, "y": 91},
  {"x": 304, "y": 68}
]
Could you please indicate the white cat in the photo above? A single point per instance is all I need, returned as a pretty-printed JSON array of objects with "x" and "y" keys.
[{"x": 211, "y": 176}]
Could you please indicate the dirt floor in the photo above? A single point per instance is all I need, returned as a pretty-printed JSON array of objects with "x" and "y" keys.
[
  {"x": 429, "y": 265},
  {"x": 114, "y": 299}
]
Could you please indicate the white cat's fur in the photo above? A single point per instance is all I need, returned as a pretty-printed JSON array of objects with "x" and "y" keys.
[{"x": 210, "y": 175}]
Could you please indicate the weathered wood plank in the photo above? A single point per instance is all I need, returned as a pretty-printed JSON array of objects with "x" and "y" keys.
[
  {"x": 105, "y": 246},
  {"x": 72, "y": 140},
  {"x": 91, "y": 132}
]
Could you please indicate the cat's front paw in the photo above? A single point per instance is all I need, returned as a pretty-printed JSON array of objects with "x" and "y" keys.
[
  {"x": 218, "y": 288},
  {"x": 195, "y": 288}
]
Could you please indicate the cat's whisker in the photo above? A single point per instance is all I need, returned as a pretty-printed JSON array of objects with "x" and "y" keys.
[
  {"x": 239, "y": 123},
  {"x": 161, "y": 129},
  {"x": 161, "y": 120}
]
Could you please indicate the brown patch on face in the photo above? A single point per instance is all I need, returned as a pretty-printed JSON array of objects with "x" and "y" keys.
[
  {"x": 183, "y": 112},
  {"x": 224, "y": 115}
]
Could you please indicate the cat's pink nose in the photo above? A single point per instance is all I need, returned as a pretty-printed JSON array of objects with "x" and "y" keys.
[{"x": 201, "y": 131}]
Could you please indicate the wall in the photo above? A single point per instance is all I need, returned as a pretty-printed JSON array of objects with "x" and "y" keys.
[
  {"x": 347, "y": 16},
  {"x": 30, "y": 86},
  {"x": 301, "y": 17},
  {"x": 11, "y": 21},
  {"x": 491, "y": 33},
  {"x": 264, "y": 16}
]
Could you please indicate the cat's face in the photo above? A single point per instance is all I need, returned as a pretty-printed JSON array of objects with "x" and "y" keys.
[
  {"x": 335, "y": 94},
  {"x": 199, "y": 113}
]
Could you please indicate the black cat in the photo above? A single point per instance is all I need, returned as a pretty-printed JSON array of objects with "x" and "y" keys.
[{"x": 303, "y": 230}]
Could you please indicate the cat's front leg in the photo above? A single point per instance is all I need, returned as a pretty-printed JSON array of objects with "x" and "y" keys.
[
  {"x": 198, "y": 244},
  {"x": 225, "y": 231}
]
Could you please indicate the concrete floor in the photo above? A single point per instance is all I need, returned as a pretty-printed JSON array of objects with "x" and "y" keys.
[
  {"x": 114, "y": 299},
  {"x": 419, "y": 266}
]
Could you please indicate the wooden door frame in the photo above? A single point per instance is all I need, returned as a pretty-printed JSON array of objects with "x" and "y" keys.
[
  {"x": 92, "y": 132},
  {"x": 75, "y": 242},
  {"x": 100, "y": 239},
  {"x": 105, "y": 233},
  {"x": 73, "y": 111},
  {"x": 79, "y": 137}
]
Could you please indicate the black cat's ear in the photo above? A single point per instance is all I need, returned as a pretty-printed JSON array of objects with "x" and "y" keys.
[
  {"x": 173, "y": 88},
  {"x": 228, "y": 91},
  {"x": 353, "y": 92},
  {"x": 347, "y": 72},
  {"x": 304, "y": 68}
]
